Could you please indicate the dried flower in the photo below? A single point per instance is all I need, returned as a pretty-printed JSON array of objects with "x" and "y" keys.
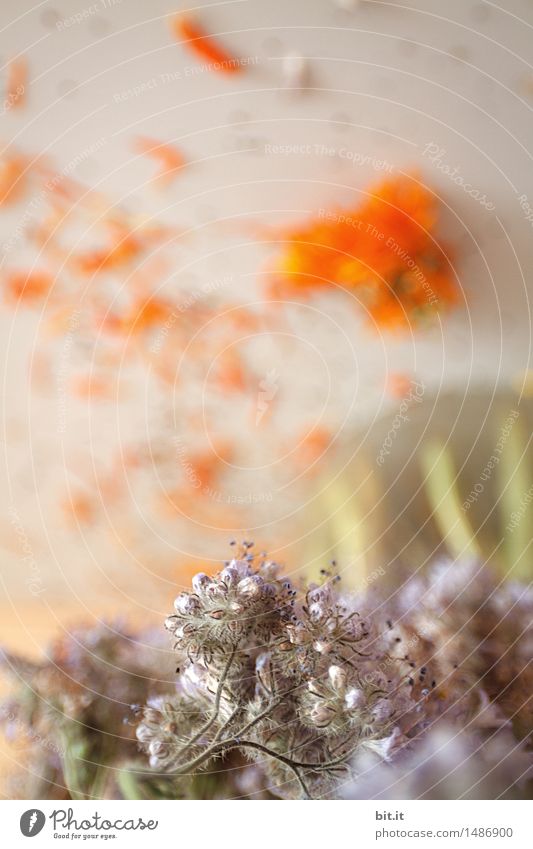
[
  {"x": 447, "y": 764},
  {"x": 482, "y": 627},
  {"x": 74, "y": 711},
  {"x": 298, "y": 681},
  {"x": 309, "y": 684},
  {"x": 320, "y": 691}
]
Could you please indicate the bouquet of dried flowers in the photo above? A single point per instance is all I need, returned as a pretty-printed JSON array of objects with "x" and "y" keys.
[
  {"x": 305, "y": 683},
  {"x": 292, "y": 691}
]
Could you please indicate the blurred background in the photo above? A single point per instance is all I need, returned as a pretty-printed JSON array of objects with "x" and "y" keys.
[{"x": 160, "y": 397}]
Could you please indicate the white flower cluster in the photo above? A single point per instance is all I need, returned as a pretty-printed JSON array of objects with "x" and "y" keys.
[
  {"x": 296, "y": 679},
  {"x": 310, "y": 684}
]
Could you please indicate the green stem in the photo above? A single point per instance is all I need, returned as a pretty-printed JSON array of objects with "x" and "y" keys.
[
  {"x": 515, "y": 486},
  {"x": 443, "y": 496}
]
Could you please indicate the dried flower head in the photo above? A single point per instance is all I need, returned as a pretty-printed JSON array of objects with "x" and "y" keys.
[
  {"x": 284, "y": 690},
  {"x": 297, "y": 681},
  {"x": 482, "y": 627}
]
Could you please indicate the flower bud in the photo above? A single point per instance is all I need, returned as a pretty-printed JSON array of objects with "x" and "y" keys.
[
  {"x": 242, "y": 567},
  {"x": 314, "y": 687},
  {"x": 316, "y": 610},
  {"x": 200, "y": 582},
  {"x": 354, "y": 698},
  {"x": 337, "y": 677},
  {"x": 321, "y": 715},
  {"x": 186, "y": 604},
  {"x": 318, "y": 595},
  {"x": 143, "y": 733},
  {"x": 158, "y": 748},
  {"x": 179, "y": 631},
  {"x": 216, "y": 591},
  {"x": 298, "y": 635},
  {"x": 229, "y": 575},
  {"x": 382, "y": 710},
  {"x": 251, "y": 586},
  {"x": 153, "y": 712},
  {"x": 155, "y": 760},
  {"x": 263, "y": 661},
  {"x": 387, "y": 746}
]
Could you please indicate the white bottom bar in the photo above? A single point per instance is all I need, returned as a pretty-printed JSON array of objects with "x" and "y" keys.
[{"x": 282, "y": 825}]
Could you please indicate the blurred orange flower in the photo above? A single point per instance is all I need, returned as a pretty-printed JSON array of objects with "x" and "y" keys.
[{"x": 384, "y": 251}]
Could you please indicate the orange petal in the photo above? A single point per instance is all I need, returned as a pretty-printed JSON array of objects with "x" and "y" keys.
[
  {"x": 32, "y": 286},
  {"x": 204, "y": 45},
  {"x": 12, "y": 178},
  {"x": 17, "y": 83}
]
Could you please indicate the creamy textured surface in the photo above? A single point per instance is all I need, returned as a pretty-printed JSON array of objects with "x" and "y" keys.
[{"x": 446, "y": 89}]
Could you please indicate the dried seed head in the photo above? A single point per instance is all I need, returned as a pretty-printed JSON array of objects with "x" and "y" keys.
[
  {"x": 322, "y": 715},
  {"x": 337, "y": 677},
  {"x": 230, "y": 576},
  {"x": 200, "y": 582},
  {"x": 171, "y": 623},
  {"x": 322, "y": 646},
  {"x": 317, "y": 610},
  {"x": 186, "y": 604},
  {"x": 298, "y": 634},
  {"x": 382, "y": 710},
  {"x": 251, "y": 586},
  {"x": 354, "y": 698},
  {"x": 143, "y": 733},
  {"x": 319, "y": 672}
]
